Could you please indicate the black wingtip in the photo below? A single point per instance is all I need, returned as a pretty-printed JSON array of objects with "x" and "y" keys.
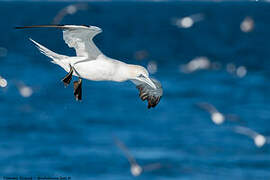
[
  {"x": 17, "y": 27},
  {"x": 40, "y": 26},
  {"x": 24, "y": 27}
]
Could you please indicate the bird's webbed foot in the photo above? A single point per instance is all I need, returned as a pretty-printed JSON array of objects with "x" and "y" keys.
[
  {"x": 66, "y": 80},
  {"x": 78, "y": 89}
]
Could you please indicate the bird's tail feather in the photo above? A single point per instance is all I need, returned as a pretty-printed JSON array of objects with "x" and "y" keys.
[{"x": 54, "y": 56}]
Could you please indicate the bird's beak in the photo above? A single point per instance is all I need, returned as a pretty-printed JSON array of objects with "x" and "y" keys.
[{"x": 148, "y": 81}]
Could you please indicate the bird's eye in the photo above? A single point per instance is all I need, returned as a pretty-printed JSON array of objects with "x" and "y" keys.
[{"x": 141, "y": 76}]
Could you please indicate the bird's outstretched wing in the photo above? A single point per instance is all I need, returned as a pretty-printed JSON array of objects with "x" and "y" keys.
[
  {"x": 125, "y": 150},
  {"x": 78, "y": 37},
  {"x": 152, "y": 95}
]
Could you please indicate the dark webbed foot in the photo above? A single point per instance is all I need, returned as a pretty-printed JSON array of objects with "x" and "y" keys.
[
  {"x": 66, "y": 80},
  {"x": 78, "y": 89}
]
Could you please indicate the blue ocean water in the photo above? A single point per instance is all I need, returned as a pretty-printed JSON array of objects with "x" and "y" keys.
[{"x": 48, "y": 133}]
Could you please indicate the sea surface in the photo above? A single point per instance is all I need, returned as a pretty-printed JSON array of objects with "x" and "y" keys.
[{"x": 44, "y": 132}]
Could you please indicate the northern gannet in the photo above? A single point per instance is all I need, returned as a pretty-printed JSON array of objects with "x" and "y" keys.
[
  {"x": 216, "y": 116},
  {"x": 259, "y": 139},
  {"x": 91, "y": 64},
  {"x": 135, "y": 168}
]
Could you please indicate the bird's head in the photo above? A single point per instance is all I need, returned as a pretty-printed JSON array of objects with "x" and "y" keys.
[{"x": 139, "y": 73}]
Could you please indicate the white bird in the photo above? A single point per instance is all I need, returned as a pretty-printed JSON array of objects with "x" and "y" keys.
[
  {"x": 259, "y": 139},
  {"x": 24, "y": 90},
  {"x": 216, "y": 116},
  {"x": 135, "y": 168},
  {"x": 91, "y": 64},
  {"x": 198, "y": 63},
  {"x": 69, "y": 10}
]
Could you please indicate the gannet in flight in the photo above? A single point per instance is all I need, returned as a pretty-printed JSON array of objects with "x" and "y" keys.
[
  {"x": 216, "y": 116},
  {"x": 259, "y": 139},
  {"x": 91, "y": 64},
  {"x": 135, "y": 168}
]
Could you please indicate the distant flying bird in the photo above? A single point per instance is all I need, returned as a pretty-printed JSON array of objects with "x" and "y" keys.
[
  {"x": 135, "y": 168},
  {"x": 91, "y": 64},
  {"x": 69, "y": 10},
  {"x": 216, "y": 116},
  {"x": 259, "y": 139}
]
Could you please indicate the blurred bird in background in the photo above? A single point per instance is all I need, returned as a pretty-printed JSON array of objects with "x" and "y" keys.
[
  {"x": 135, "y": 168},
  {"x": 259, "y": 139}
]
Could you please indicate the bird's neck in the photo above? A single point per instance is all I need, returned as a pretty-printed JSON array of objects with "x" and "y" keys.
[{"x": 125, "y": 72}]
